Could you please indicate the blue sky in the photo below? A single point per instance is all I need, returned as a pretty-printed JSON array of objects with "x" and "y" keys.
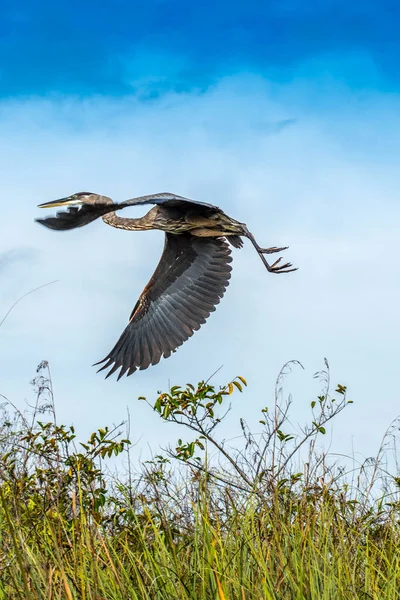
[
  {"x": 284, "y": 115},
  {"x": 102, "y": 47}
]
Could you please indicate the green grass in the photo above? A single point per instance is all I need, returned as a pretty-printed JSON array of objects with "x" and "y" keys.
[
  {"x": 244, "y": 525},
  {"x": 256, "y": 553}
]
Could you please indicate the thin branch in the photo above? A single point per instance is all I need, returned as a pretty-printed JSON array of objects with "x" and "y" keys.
[{"x": 24, "y": 296}]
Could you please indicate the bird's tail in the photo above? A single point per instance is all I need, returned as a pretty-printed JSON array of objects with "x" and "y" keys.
[{"x": 235, "y": 240}]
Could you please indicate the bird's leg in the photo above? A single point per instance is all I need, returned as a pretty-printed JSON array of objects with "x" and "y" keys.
[{"x": 275, "y": 267}]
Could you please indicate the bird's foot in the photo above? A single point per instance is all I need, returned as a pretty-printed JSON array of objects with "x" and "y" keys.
[
  {"x": 272, "y": 250},
  {"x": 277, "y": 268}
]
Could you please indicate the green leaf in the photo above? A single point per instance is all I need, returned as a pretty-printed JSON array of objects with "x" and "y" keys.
[{"x": 341, "y": 389}]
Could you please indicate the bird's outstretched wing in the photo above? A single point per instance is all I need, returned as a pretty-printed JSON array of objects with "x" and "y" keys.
[
  {"x": 189, "y": 282},
  {"x": 166, "y": 199},
  {"x": 76, "y": 217}
]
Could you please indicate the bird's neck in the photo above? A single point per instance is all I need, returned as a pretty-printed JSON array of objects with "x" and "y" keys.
[{"x": 130, "y": 224}]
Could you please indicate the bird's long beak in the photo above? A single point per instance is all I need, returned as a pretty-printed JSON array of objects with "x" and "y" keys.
[{"x": 61, "y": 202}]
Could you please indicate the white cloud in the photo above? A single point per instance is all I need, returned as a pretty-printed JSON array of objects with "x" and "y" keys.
[{"x": 326, "y": 184}]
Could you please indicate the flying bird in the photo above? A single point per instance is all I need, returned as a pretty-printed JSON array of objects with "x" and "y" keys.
[{"x": 189, "y": 281}]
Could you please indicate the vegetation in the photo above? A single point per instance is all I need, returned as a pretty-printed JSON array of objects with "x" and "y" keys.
[{"x": 199, "y": 521}]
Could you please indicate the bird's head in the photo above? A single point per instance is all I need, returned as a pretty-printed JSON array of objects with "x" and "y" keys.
[
  {"x": 79, "y": 199},
  {"x": 81, "y": 208}
]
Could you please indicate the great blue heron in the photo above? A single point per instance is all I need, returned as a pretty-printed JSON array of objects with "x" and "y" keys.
[{"x": 189, "y": 281}]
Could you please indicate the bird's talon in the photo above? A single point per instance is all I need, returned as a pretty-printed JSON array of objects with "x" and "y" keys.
[{"x": 276, "y": 262}]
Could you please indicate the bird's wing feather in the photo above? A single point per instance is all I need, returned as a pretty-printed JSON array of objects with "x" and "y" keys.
[
  {"x": 75, "y": 217},
  {"x": 166, "y": 199},
  {"x": 188, "y": 283}
]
